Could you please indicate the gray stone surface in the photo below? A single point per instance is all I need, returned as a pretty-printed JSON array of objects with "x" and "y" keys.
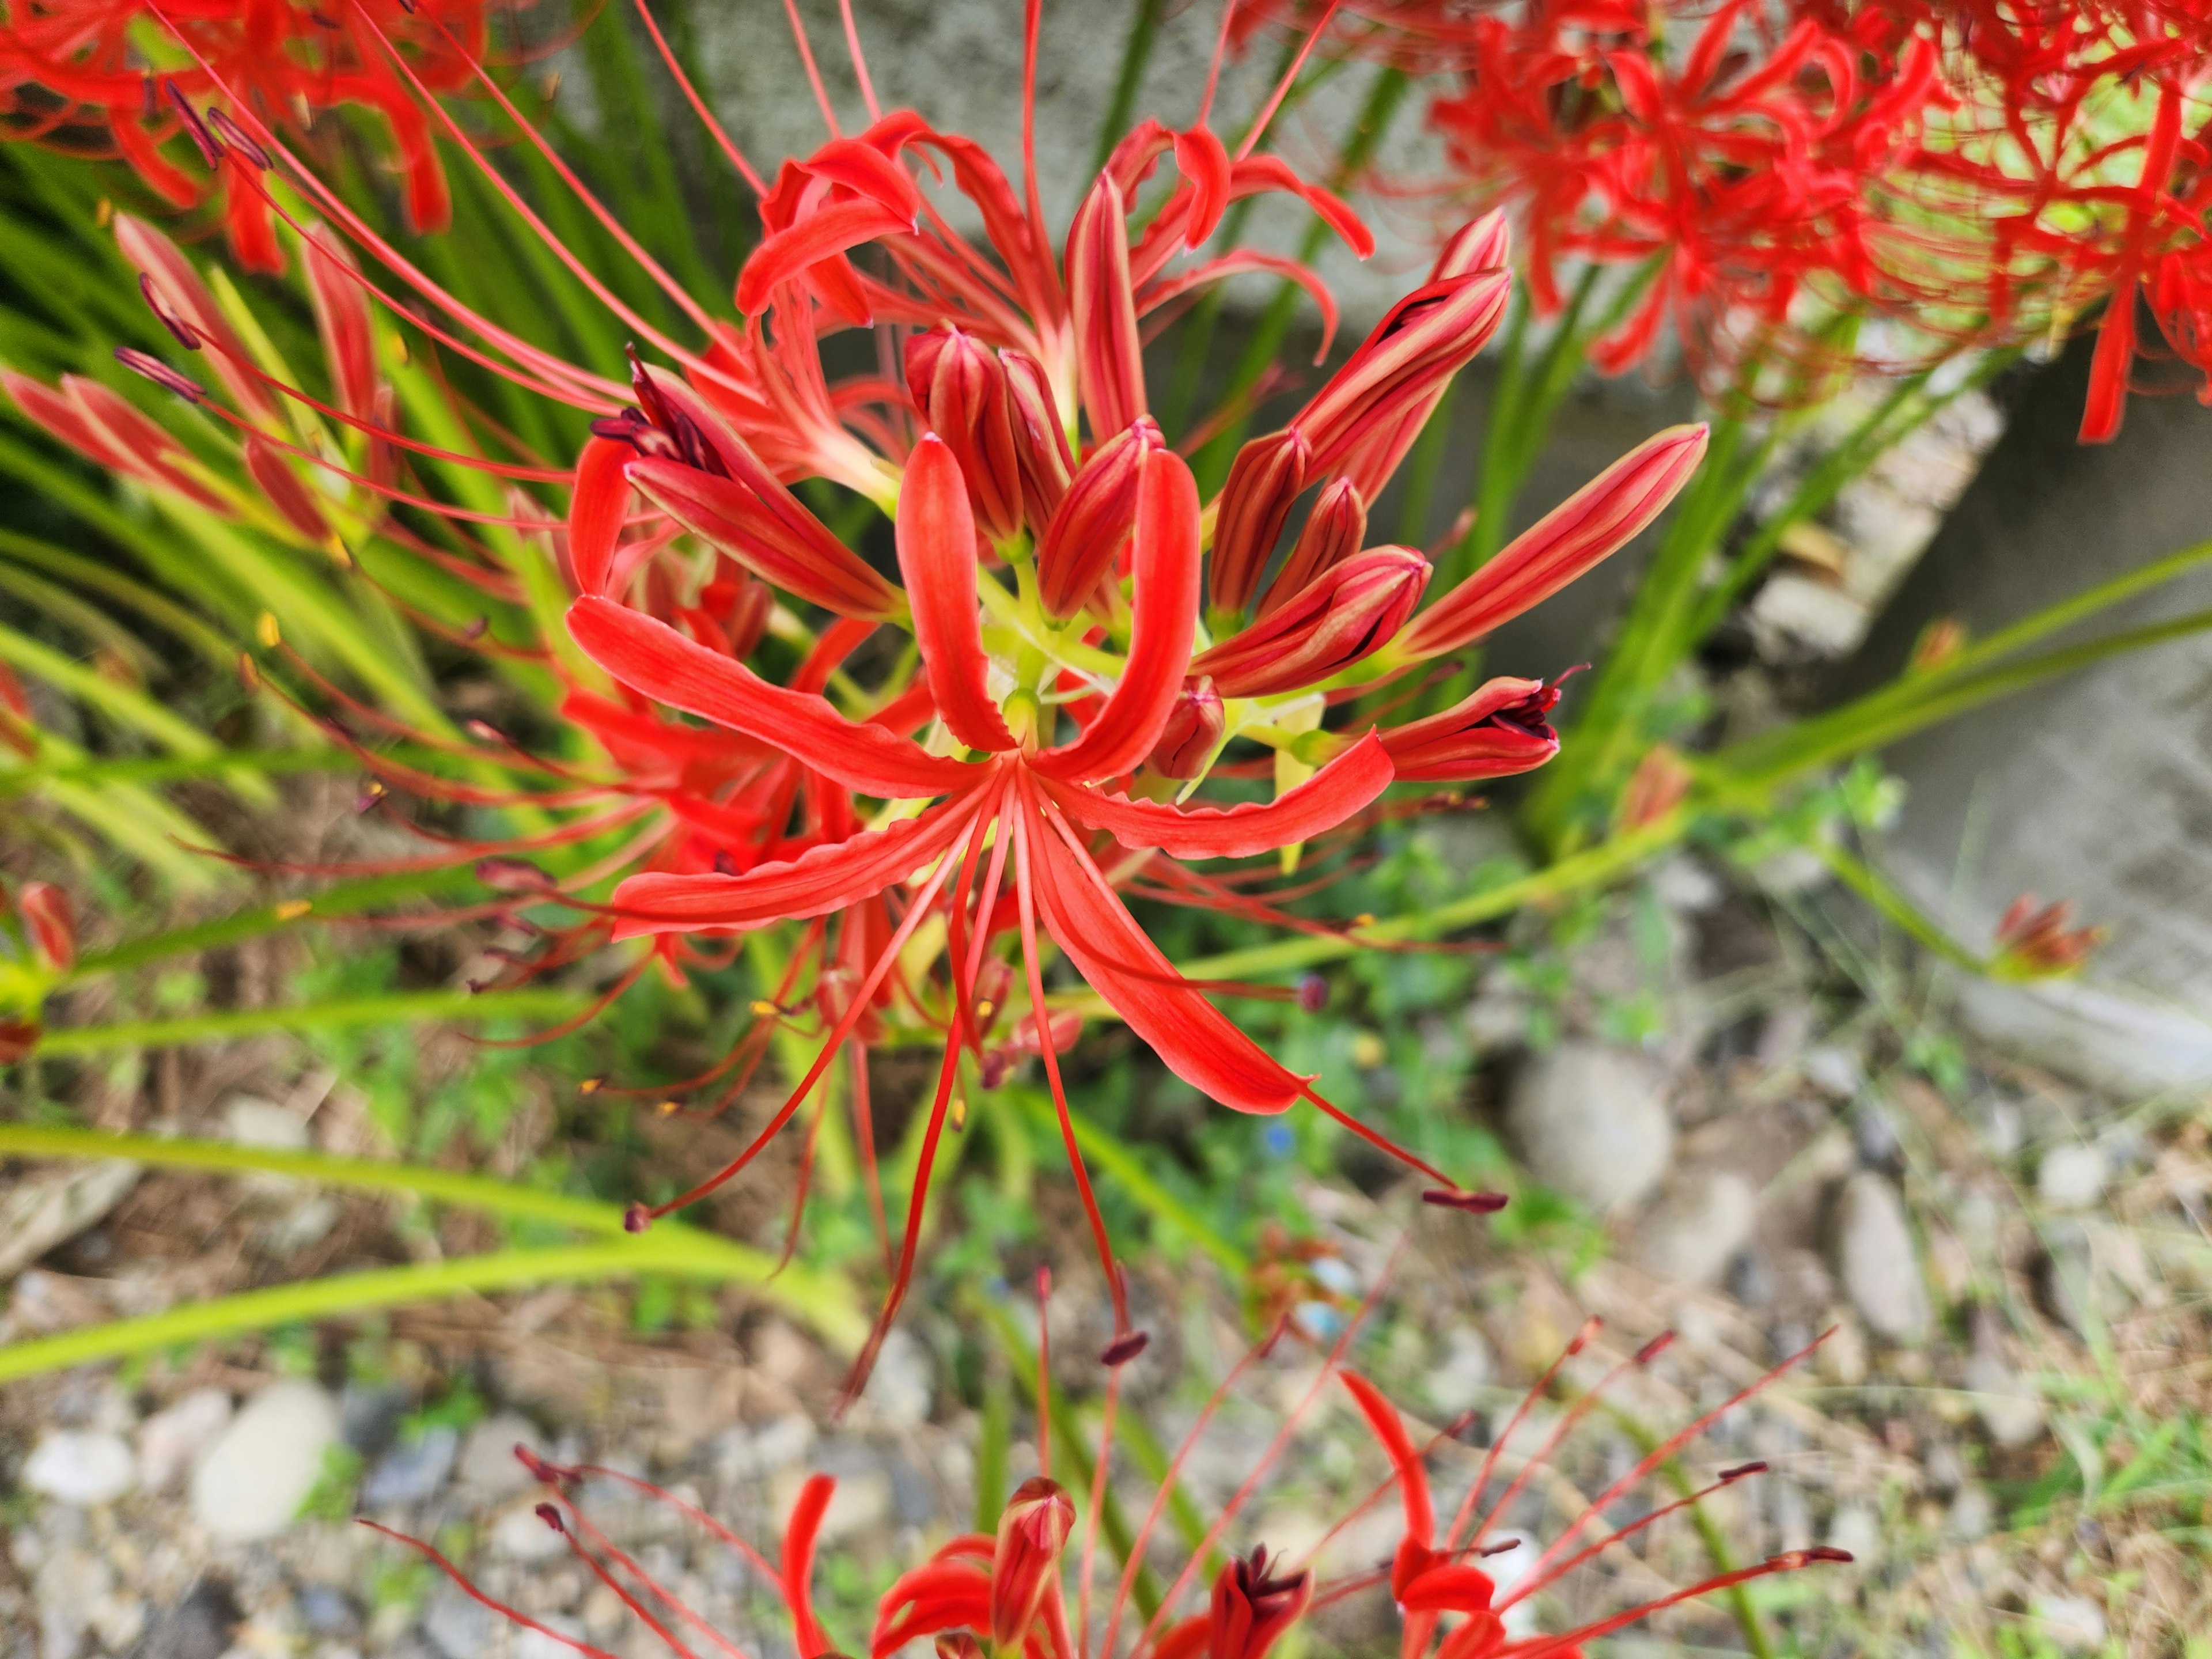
[
  {"x": 261, "y": 1469},
  {"x": 1590, "y": 1120},
  {"x": 2097, "y": 786},
  {"x": 75, "y": 1467},
  {"x": 1700, "y": 1220},
  {"x": 1875, "y": 1260}
]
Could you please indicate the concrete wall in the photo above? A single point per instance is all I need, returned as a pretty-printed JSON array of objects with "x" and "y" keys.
[{"x": 2097, "y": 786}]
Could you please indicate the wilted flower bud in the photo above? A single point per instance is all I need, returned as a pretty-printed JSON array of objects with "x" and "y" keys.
[
  {"x": 1250, "y": 1610},
  {"x": 1032, "y": 1531},
  {"x": 1040, "y": 438},
  {"x": 1335, "y": 531},
  {"x": 1363, "y": 422},
  {"x": 1263, "y": 482},
  {"x": 1194, "y": 728},
  {"x": 1343, "y": 615},
  {"x": 958, "y": 385},
  {"x": 49, "y": 923},
  {"x": 2035, "y": 941},
  {"x": 1501, "y": 729},
  {"x": 797, "y": 555},
  {"x": 1655, "y": 788},
  {"x": 1096, "y": 519}
]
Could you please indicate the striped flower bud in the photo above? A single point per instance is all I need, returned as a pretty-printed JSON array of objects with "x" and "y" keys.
[
  {"x": 1264, "y": 480},
  {"x": 1085, "y": 536},
  {"x": 1194, "y": 728},
  {"x": 1040, "y": 438},
  {"x": 1101, "y": 297},
  {"x": 1501, "y": 729},
  {"x": 1363, "y": 421},
  {"x": 960, "y": 387},
  {"x": 799, "y": 556},
  {"x": 49, "y": 925},
  {"x": 1032, "y": 1531},
  {"x": 1335, "y": 531},
  {"x": 1341, "y": 616}
]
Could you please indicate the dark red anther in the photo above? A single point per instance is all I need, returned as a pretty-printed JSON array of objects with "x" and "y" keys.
[
  {"x": 1125, "y": 1347},
  {"x": 1473, "y": 1203},
  {"x": 209, "y": 148},
  {"x": 724, "y": 864},
  {"x": 1657, "y": 1346},
  {"x": 636, "y": 1218},
  {"x": 551, "y": 1516},
  {"x": 1500, "y": 1549},
  {"x": 160, "y": 373},
  {"x": 1756, "y": 1466},
  {"x": 1313, "y": 993},
  {"x": 187, "y": 336},
  {"x": 512, "y": 876},
  {"x": 235, "y": 135}
]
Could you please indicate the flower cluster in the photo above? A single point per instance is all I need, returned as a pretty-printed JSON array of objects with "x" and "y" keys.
[
  {"x": 1972, "y": 172},
  {"x": 945, "y": 779},
  {"x": 142, "y": 73},
  {"x": 1461, "y": 1585}
]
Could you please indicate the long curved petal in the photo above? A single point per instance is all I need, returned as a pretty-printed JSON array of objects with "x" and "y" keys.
[
  {"x": 1164, "y": 552},
  {"x": 819, "y": 881},
  {"x": 1195, "y": 1039},
  {"x": 654, "y": 658},
  {"x": 937, "y": 559},
  {"x": 1324, "y": 800}
]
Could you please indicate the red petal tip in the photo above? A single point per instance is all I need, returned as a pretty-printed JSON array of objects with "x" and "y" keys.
[
  {"x": 1125, "y": 1347},
  {"x": 1473, "y": 1203}
]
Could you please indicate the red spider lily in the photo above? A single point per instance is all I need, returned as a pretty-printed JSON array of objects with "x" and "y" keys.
[
  {"x": 1051, "y": 580},
  {"x": 1009, "y": 1593},
  {"x": 70, "y": 64}
]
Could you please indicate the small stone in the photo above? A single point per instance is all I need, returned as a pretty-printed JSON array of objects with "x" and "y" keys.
[
  {"x": 1683, "y": 885},
  {"x": 1590, "y": 1122},
  {"x": 199, "y": 1626},
  {"x": 171, "y": 1440},
  {"x": 459, "y": 1627},
  {"x": 1856, "y": 1527},
  {"x": 1750, "y": 1279},
  {"x": 1701, "y": 1218},
  {"x": 604, "y": 1613},
  {"x": 412, "y": 1470},
  {"x": 369, "y": 1415},
  {"x": 488, "y": 1466},
  {"x": 1456, "y": 1384},
  {"x": 2008, "y": 1407},
  {"x": 521, "y": 1534},
  {"x": 1876, "y": 1260},
  {"x": 1835, "y": 1072},
  {"x": 80, "y": 1467},
  {"x": 260, "y": 1470},
  {"x": 67, "y": 1586},
  {"x": 248, "y": 1120},
  {"x": 1842, "y": 1358},
  {"x": 328, "y": 1612},
  {"x": 861, "y": 1501},
  {"x": 2074, "y": 1622},
  {"x": 48, "y": 1207},
  {"x": 2070, "y": 1177},
  {"x": 1972, "y": 1514},
  {"x": 899, "y": 1389},
  {"x": 536, "y": 1645},
  {"x": 1873, "y": 1135}
]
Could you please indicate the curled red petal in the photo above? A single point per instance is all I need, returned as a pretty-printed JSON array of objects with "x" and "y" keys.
[
  {"x": 595, "y": 510},
  {"x": 824, "y": 234},
  {"x": 1347, "y": 784},
  {"x": 937, "y": 558}
]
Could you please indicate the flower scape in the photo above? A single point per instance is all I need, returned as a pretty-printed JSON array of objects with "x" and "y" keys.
[{"x": 1077, "y": 681}]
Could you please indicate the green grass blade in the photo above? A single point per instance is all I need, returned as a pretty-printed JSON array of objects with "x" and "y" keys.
[{"x": 396, "y": 1007}]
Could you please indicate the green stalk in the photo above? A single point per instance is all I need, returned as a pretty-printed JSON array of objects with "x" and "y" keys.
[
  {"x": 394, "y": 1008},
  {"x": 173, "y": 769},
  {"x": 1882, "y": 895},
  {"x": 1136, "y": 56}
]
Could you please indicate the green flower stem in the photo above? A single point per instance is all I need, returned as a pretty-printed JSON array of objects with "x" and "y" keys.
[
  {"x": 396, "y": 1007},
  {"x": 1883, "y": 895},
  {"x": 824, "y": 1301},
  {"x": 173, "y": 769}
]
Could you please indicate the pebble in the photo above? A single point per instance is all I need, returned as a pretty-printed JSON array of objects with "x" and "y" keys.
[
  {"x": 412, "y": 1470},
  {"x": 1458, "y": 1379},
  {"x": 488, "y": 1466},
  {"x": 899, "y": 1387},
  {"x": 1875, "y": 1261},
  {"x": 260, "y": 1470},
  {"x": 171, "y": 1441},
  {"x": 1834, "y": 1071},
  {"x": 198, "y": 1626},
  {"x": 1590, "y": 1123},
  {"x": 536, "y": 1645},
  {"x": 248, "y": 1120},
  {"x": 1972, "y": 1514},
  {"x": 1856, "y": 1527},
  {"x": 1700, "y": 1220},
  {"x": 2070, "y": 1177},
  {"x": 69, "y": 1584},
  {"x": 1873, "y": 1135},
  {"x": 458, "y": 1627},
  {"x": 2008, "y": 1407},
  {"x": 2074, "y": 1622},
  {"x": 521, "y": 1534},
  {"x": 79, "y": 1468}
]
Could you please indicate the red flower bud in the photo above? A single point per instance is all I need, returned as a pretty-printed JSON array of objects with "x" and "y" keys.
[
  {"x": 1109, "y": 351},
  {"x": 1263, "y": 480},
  {"x": 1032, "y": 1532},
  {"x": 791, "y": 550},
  {"x": 1194, "y": 728},
  {"x": 1363, "y": 421},
  {"x": 1482, "y": 244},
  {"x": 1335, "y": 531},
  {"x": 1040, "y": 437},
  {"x": 47, "y": 919},
  {"x": 278, "y": 481},
  {"x": 1342, "y": 614},
  {"x": 1085, "y": 537},
  {"x": 1497, "y": 732},
  {"x": 960, "y": 388},
  {"x": 1250, "y": 1609}
]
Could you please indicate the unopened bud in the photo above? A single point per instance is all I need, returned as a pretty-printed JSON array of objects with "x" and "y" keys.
[
  {"x": 1335, "y": 531},
  {"x": 283, "y": 491},
  {"x": 1032, "y": 1531},
  {"x": 1085, "y": 538},
  {"x": 1483, "y": 244},
  {"x": 1193, "y": 731},
  {"x": 1342, "y": 617},
  {"x": 1264, "y": 480},
  {"x": 789, "y": 549},
  {"x": 958, "y": 385},
  {"x": 1040, "y": 438},
  {"x": 48, "y": 920},
  {"x": 1499, "y": 730},
  {"x": 1110, "y": 350}
]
